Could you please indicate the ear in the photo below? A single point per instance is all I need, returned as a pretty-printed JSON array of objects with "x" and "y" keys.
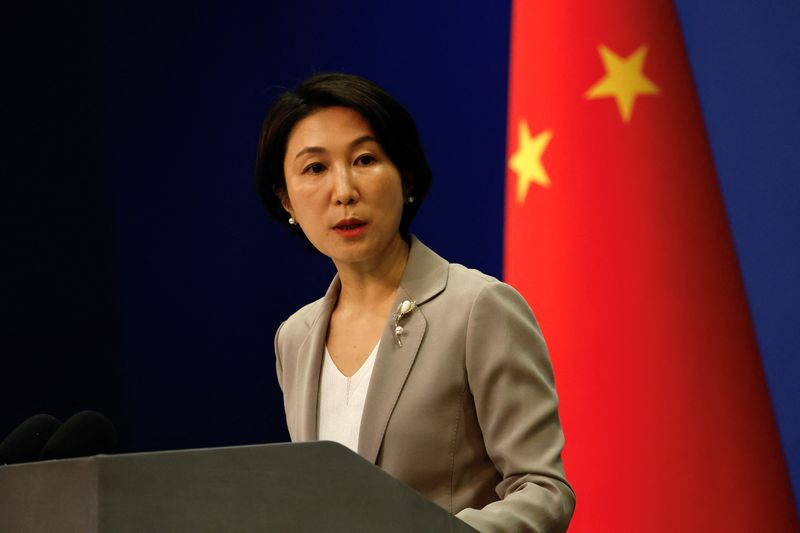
[
  {"x": 287, "y": 205},
  {"x": 408, "y": 186},
  {"x": 284, "y": 198}
]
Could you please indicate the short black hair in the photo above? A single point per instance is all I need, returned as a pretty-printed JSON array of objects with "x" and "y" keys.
[{"x": 391, "y": 123}]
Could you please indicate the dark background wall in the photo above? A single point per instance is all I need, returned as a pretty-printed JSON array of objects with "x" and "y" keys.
[{"x": 143, "y": 278}]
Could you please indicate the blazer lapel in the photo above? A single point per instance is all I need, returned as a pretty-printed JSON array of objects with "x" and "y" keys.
[
  {"x": 425, "y": 277},
  {"x": 310, "y": 353}
]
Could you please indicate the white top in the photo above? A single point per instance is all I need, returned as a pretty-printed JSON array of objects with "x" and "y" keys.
[{"x": 341, "y": 400}]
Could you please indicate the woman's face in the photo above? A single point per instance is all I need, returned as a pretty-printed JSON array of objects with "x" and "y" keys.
[{"x": 341, "y": 188}]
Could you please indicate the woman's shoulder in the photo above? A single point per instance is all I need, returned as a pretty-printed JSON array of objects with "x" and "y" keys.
[
  {"x": 299, "y": 323},
  {"x": 470, "y": 277},
  {"x": 306, "y": 314},
  {"x": 459, "y": 280},
  {"x": 475, "y": 288}
]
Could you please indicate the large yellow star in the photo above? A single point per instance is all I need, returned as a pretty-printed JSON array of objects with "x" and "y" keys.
[
  {"x": 527, "y": 160},
  {"x": 624, "y": 80}
]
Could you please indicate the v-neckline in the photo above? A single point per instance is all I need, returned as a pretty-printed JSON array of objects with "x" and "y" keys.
[{"x": 361, "y": 370}]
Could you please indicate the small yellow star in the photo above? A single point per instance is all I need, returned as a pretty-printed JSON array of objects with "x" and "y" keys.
[
  {"x": 624, "y": 80},
  {"x": 527, "y": 160}
]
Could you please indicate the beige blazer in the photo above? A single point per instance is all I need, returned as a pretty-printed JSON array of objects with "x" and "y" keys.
[{"x": 465, "y": 411}]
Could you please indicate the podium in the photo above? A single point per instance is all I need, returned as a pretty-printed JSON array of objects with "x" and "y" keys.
[{"x": 297, "y": 488}]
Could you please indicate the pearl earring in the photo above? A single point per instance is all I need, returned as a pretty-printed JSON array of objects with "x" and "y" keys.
[
  {"x": 411, "y": 199},
  {"x": 292, "y": 221}
]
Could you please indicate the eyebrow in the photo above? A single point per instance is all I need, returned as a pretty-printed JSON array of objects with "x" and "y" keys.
[{"x": 353, "y": 144}]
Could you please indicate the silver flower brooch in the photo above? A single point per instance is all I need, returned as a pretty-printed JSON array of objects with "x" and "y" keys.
[{"x": 403, "y": 309}]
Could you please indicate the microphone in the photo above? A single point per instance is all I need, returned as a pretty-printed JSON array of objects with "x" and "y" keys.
[
  {"x": 83, "y": 434},
  {"x": 25, "y": 442}
]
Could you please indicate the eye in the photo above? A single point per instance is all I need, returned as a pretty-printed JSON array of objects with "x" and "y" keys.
[
  {"x": 314, "y": 168},
  {"x": 365, "y": 160}
]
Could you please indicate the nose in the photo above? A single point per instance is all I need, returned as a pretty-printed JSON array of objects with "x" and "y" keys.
[{"x": 345, "y": 191}]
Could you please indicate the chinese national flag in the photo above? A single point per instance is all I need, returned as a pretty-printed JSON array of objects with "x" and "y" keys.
[{"x": 617, "y": 236}]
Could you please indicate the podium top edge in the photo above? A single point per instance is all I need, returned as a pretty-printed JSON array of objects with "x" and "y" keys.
[{"x": 321, "y": 444}]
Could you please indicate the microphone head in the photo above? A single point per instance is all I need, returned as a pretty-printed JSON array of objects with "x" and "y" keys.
[
  {"x": 24, "y": 443},
  {"x": 83, "y": 434}
]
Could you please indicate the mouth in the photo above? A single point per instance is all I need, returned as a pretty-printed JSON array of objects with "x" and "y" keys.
[{"x": 350, "y": 227}]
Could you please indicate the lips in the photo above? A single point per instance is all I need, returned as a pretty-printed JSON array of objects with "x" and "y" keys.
[
  {"x": 350, "y": 227},
  {"x": 349, "y": 223}
]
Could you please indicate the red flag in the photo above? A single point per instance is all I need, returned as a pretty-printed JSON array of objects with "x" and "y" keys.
[{"x": 617, "y": 236}]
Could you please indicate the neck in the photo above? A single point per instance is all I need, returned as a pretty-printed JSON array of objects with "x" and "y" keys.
[{"x": 371, "y": 285}]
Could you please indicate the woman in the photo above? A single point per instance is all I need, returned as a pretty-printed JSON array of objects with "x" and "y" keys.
[{"x": 436, "y": 373}]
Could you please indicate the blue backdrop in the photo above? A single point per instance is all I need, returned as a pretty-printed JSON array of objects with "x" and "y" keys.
[{"x": 146, "y": 281}]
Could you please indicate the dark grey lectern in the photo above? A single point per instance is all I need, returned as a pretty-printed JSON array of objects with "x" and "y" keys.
[{"x": 319, "y": 486}]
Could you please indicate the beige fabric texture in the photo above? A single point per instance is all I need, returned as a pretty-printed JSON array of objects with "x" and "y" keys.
[{"x": 465, "y": 412}]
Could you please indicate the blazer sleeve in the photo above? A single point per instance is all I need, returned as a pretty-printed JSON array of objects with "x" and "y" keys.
[{"x": 512, "y": 382}]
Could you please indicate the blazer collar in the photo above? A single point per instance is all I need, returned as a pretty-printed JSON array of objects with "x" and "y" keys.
[
  {"x": 310, "y": 356},
  {"x": 425, "y": 277}
]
